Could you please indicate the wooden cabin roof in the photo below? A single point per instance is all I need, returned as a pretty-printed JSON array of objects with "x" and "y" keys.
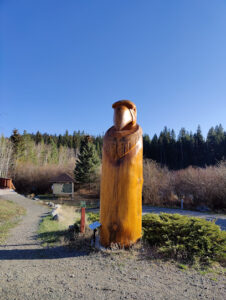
[{"x": 62, "y": 178}]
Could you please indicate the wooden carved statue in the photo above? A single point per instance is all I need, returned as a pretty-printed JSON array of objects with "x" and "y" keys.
[{"x": 122, "y": 178}]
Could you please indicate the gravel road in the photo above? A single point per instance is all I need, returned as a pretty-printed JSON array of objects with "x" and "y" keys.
[{"x": 27, "y": 271}]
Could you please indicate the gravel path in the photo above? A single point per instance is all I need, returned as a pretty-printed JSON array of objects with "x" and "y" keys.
[{"x": 28, "y": 271}]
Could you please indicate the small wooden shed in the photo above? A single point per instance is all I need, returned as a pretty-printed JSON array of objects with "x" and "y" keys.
[
  {"x": 63, "y": 185},
  {"x": 6, "y": 183}
]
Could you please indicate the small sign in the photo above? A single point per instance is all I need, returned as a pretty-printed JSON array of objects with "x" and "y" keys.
[
  {"x": 82, "y": 203},
  {"x": 94, "y": 225}
]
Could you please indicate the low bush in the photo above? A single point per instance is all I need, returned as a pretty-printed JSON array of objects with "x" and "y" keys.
[
  {"x": 187, "y": 238},
  {"x": 93, "y": 217},
  {"x": 184, "y": 238},
  {"x": 197, "y": 186},
  {"x": 156, "y": 189},
  {"x": 205, "y": 186}
]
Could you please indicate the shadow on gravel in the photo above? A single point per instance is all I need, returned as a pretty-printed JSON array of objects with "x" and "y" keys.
[{"x": 48, "y": 253}]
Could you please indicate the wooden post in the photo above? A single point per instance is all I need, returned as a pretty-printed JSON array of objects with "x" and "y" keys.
[
  {"x": 182, "y": 203},
  {"x": 82, "y": 224},
  {"x": 72, "y": 191}
]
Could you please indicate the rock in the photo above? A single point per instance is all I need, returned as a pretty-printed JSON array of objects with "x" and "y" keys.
[
  {"x": 31, "y": 196},
  {"x": 54, "y": 212},
  {"x": 56, "y": 217},
  {"x": 51, "y": 204}
]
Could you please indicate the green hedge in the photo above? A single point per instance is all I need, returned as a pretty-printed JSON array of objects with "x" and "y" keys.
[{"x": 189, "y": 238}]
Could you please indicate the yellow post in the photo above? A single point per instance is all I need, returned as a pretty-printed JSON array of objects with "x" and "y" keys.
[{"x": 122, "y": 178}]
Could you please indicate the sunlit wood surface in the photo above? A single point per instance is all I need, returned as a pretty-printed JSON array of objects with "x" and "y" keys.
[{"x": 121, "y": 187}]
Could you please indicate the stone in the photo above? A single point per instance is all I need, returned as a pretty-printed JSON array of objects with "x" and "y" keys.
[
  {"x": 56, "y": 217},
  {"x": 54, "y": 212}
]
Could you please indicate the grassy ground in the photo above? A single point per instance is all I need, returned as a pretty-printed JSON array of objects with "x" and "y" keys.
[
  {"x": 51, "y": 232},
  {"x": 9, "y": 217}
]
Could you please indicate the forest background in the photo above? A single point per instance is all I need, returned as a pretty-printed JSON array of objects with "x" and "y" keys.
[{"x": 187, "y": 166}]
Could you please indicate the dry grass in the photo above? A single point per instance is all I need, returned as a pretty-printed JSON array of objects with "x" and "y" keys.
[{"x": 68, "y": 215}]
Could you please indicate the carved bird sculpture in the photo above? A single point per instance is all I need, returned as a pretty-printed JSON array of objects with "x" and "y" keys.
[{"x": 122, "y": 178}]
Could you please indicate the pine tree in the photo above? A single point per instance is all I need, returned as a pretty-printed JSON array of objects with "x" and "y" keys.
[
  {"x": 211, "y": 146},
  {"x": 18, "y": 144},
  {"x": 87, "y": 163},
  {"x": 154, "y": 148},
  {"x": 199, "y": 148},
  {"x": 38, "y": 137},
  {"x": 146, "y": 145}
]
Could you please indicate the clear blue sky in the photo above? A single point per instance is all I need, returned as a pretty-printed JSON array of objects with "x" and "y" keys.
[{"x": 64, "y": 62}]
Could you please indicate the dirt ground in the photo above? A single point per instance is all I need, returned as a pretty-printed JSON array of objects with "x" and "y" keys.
[{"x": 28, "y": 271}]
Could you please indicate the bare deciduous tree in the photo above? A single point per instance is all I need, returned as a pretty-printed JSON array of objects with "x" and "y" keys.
[{"x": 6, "y": 156}]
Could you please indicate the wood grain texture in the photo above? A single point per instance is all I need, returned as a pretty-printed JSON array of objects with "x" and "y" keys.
[{"x": 121, "y": 187}]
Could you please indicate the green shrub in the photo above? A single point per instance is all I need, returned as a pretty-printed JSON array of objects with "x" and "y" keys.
[
  {"x": 189, "y": 238},
  {"x": 93, "y": 217}
]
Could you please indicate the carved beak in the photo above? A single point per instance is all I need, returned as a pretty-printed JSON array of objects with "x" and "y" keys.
[{"x": 122, "y": 117}]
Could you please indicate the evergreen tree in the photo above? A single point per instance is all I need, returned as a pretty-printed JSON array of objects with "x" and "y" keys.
[
  {"x": 211, "y": 145},
  {"x": 199, "y": 148},
  {"x": 154, "y": 149},
  {"x": 38, "y": 137},
  {"x": 146, "y": 145},
  {"x": 183, "y": 148},
  {"x": 54, "y": 153},
  {"x": 18, "y": 143},
  {"x": 87, "y": 163},
  {"x": 60, "y": 141}
]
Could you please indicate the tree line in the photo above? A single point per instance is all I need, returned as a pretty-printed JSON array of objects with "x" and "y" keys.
[
  {"x": 175, "y": 152},
  {"x": 72, "y": 141},
  {"x": 186, "y": 149},
  {"x": 42, "y": 149}
]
